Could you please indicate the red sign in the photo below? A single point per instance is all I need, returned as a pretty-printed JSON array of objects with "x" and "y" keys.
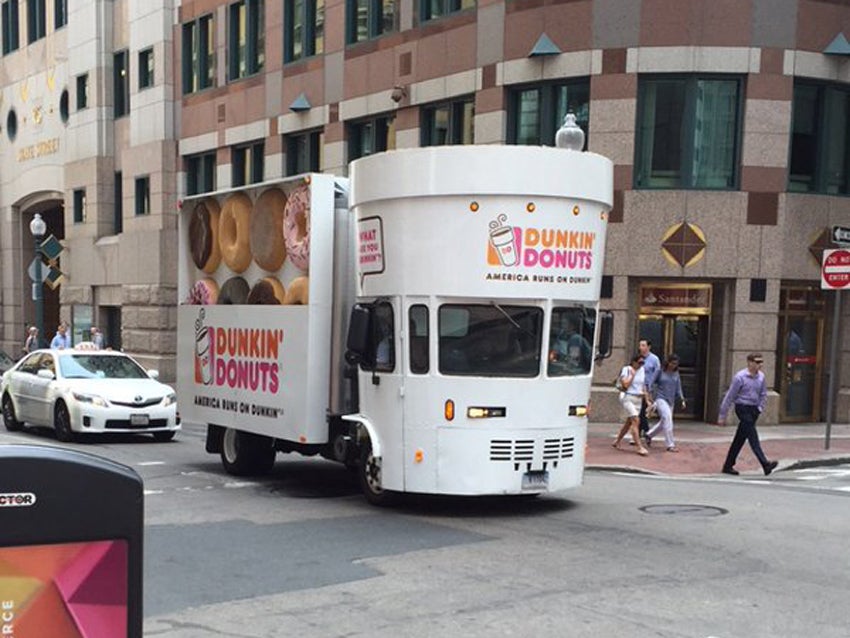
[{"x": 835, "y": 273}]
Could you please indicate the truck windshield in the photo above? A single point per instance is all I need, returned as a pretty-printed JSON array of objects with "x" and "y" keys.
[
  {"x": 490, "y": 340},
  {"x": 570, "y": 341}
]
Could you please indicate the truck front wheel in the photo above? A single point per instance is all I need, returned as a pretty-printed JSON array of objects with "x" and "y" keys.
[
  {"x": 246, "y": 454},
  {"x": 370, "y": 478}
]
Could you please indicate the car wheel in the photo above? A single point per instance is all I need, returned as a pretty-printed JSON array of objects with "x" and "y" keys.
[
  {"x": 370, "y": 479},
  {"x": 246, "y": 454},
  {"x": 9, "y": 419},
  {"x": 62, "y": 423},
  {"x": 164, "y": 437}
]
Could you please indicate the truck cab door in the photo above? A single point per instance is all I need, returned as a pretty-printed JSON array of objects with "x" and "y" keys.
[{"x": 381, "y": 384}]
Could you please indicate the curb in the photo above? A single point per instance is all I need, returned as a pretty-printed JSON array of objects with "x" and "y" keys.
[{"x": 790, "y": 464}]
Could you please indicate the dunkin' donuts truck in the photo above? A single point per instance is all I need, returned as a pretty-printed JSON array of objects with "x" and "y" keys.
[{"x": 432, "y": 321}]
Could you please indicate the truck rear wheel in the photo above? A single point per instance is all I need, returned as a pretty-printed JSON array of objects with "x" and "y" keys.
[
  {"x": 370, "y": 478},
  {"x": 246, "y": 454}
]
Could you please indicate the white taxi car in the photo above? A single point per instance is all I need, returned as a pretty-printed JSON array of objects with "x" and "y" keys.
[{"x": 81, "y": 390}]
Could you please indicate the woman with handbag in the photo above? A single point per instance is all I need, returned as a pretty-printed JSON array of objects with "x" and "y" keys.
[{"x": 632, "y": 392}]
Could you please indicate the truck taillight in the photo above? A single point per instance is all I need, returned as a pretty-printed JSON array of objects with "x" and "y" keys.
[{"x": 449, "y": 410}]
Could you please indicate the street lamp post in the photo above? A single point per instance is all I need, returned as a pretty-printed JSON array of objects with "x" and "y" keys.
[{"x": 38, "y": 228}]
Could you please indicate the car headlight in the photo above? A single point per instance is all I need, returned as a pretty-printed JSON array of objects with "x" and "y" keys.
[
  {"x": 90, "y": 398},
  {"x": 169, "y": 399}
]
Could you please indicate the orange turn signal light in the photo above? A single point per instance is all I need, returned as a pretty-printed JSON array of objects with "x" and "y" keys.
[{"x": 449, "y": 410}]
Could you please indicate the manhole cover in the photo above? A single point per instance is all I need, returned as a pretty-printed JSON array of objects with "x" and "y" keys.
[{"x": 684, "y": 510}]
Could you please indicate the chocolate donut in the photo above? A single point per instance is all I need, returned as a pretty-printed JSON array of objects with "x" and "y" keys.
[
  {"x": 234, "y": 292},
  {"x": 203, "y": 235},
  {"x": 266, "y": 232},
  {"x": 298, "y": 292},
  {"x": 266, "y": 292},
  {"x": 234, "y": 233}
]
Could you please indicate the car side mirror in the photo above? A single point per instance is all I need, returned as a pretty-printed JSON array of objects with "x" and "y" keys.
[
  {"x": 153, "y": 374},
  {"x": 44, "y": 373},
  {"x": 605, "y": 344}
]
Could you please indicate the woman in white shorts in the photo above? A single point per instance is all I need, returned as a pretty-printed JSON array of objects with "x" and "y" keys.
[{"x": 632, "y": 393}]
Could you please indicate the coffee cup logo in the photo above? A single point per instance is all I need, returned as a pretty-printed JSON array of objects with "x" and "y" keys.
[
  {"x": 203, "y": 352},
  {"x": 503, "y": 241}
]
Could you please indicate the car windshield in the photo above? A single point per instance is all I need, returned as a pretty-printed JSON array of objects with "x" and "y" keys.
[
  {"x": 99, "y": 366},
  {"x": 490, "y": 340}
]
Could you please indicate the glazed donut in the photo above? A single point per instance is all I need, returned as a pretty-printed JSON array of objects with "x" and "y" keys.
[
  {"x": 234, "y": 292},
  {"x": 233, "y": 232},
  {"x": 296, "y": 227},
  {"x": 298, "y": 292},
  {"x": 204, "y": 292},
  {"x": 203, "y": 235},
  {"x": 267, "y": 230},
  {"x": 266, "y": 292}
]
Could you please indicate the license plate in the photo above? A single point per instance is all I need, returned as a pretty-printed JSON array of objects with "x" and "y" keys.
[
  {"x": 535, "y": 480},
  {"x": 139, "y": 419}
]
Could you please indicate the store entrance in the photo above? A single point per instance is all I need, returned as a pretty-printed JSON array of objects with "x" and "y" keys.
[
  {"x": 686, "y": 335},
  {"x": 800, "y": 349}
]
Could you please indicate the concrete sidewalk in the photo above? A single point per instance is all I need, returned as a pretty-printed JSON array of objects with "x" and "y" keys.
[{"x": 703, "y": 446}]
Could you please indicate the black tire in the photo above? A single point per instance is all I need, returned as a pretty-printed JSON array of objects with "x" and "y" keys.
[
  {"x": 164, "y": 437},
  {"x": 246, "y": 454},
  {"x": 9, "y": 419},
  {"x": 369, "y": 474},
  {"x": 62, "y": 423}
]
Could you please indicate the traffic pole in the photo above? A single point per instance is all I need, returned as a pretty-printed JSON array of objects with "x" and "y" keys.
[{"x": 833, "y": 360}]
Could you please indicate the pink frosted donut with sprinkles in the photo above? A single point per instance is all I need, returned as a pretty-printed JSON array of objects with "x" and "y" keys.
[
  {"x": 296, "y": 227},
  {"x": 203, "y": 293}
]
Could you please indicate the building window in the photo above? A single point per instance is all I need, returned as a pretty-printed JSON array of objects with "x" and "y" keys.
[
  {"x": 60, "y": 13},
  {"x": 82, "y": 91},
  {"x": 535, "y": 113},
  {"x": 121, "y": 83},
  {"x": 245, "y": 39},
  {"x": 367, "y": 19},
  {"x": 143, "y": 195},
  {"x": 247, "y": 162},
  {"x": 198, "y": 55},
  {"x": 303, "y": 153},
  {"x": 200, "y": 173},
  {"x": 432, "y": 9},
  {"x": 370, "y": 136},
  {"x": 10, "y": 26},
  {"x": 118, "y": 208},
  {"x": 448, "y": 123},
  {"x": 145, "y": 69},
  {"x": 79, "y": 205},
  {"x": 820, "y": 139},
  {"x": 36, "y": 20},
  {"x": 304, "y": 29},
  {"x": 688, "y": 132}
]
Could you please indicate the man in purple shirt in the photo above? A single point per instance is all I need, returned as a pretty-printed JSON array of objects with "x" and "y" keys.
[{"x": 748, "y": 393}]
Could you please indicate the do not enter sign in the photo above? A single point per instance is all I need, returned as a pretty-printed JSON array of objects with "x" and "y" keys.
[{"x": 835, "y": 273}]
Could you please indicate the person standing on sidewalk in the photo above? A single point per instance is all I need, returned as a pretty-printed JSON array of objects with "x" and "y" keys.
[
  {"x": 667, "y": 391},
  {"x": 632, "y": 392},
  {"x": 651, "y": 369},
  {"x": 748, "y": 393}
]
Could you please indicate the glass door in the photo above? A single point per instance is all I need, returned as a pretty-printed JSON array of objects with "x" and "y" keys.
[
  {"x": 687, "y": 336},
  {"x": 800, "y": 367}
]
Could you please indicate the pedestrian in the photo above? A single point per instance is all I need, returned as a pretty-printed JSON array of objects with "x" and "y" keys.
[
  {"x": 632, "y": 392},
  {"x": 748, "y": 393},
  {"x": 97, "y": 338},
  {"x": 666, "y": 392},
  {"x": 61, "y": 340},
  {"x": 651, "y": 368},
  {"x": 31, "y": 342}
]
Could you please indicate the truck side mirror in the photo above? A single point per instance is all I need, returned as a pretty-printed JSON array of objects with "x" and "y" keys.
[
  {"x": 357, "y": 342},
  {"x": 606, "y": 335}
]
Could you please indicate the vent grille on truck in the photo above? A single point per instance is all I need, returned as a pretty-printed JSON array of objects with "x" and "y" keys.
[{"x": 522, "y": 450}]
